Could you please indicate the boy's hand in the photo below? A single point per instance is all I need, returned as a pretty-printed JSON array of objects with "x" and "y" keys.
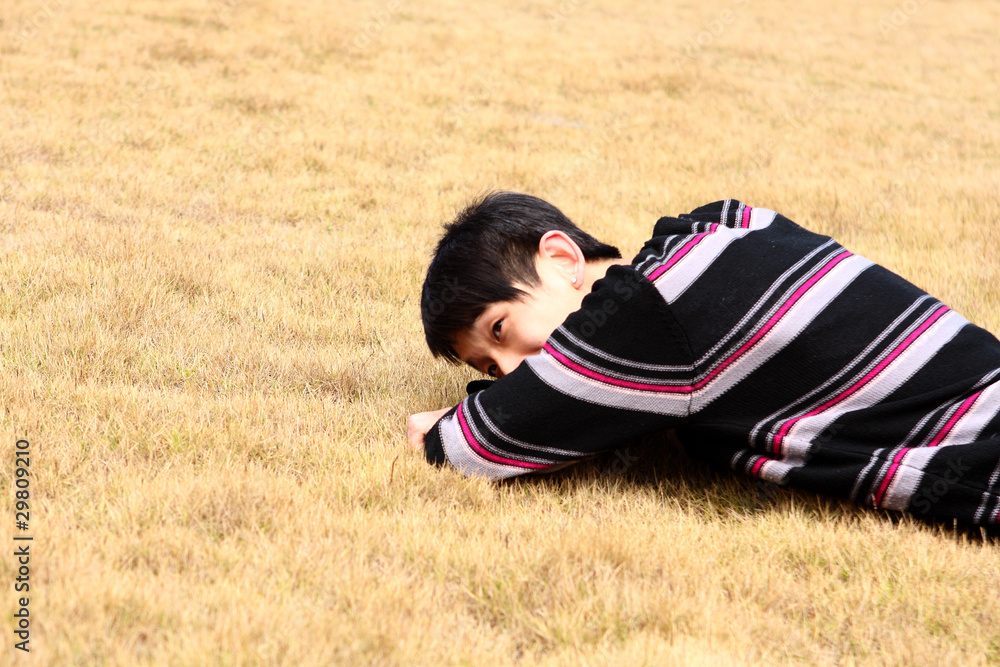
[{"x": 418, "y": 424}]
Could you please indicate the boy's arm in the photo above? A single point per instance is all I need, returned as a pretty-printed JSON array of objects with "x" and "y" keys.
[{"x": 617, "y": 368}]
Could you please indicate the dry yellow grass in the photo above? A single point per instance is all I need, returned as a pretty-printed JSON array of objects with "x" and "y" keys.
[{"x": 214, "y": 220}]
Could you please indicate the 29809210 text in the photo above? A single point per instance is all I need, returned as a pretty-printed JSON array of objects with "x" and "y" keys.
[{"x": 22, "y": 546}]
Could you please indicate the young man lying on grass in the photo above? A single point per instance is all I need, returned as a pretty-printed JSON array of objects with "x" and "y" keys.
[{"x": 770, "y": 349}]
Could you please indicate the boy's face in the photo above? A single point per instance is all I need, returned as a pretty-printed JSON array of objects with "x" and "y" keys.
[{"x": 508, "y": 332}]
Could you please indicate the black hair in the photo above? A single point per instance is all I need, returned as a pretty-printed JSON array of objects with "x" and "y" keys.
[{"x": 491, "y": 245}]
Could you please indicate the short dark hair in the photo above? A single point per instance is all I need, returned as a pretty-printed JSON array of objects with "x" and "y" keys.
[{"x": 491, "y": 245}]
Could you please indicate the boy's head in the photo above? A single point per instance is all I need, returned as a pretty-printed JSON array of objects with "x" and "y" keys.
[{"x": 490, "y": 255}]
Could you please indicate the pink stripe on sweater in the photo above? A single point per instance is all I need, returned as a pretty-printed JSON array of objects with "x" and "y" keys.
[
  {"x": 787, "y": 426},
  {"x": 792, "y": 300},
  {"x": 889, "y": 475},
  {"x": 723, "y": 365},
  {"x": 679, "y": 255},
  {"x": 485, "y": 454},
  {"x": 954, "y": 419},
  {"x": 746, "y": 218},
  {"x": 565, "y": 361}
]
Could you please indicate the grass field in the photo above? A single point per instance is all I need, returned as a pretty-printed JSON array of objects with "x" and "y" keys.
[{"x": 214, "y": 221}]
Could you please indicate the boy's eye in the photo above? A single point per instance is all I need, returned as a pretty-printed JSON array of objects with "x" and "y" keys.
[
  {"x": 496, "y": 329},
  {"x": 492, "y": 370}
]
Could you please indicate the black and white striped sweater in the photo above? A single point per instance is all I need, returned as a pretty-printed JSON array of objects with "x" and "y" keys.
[{"x": 770, "y": 349}]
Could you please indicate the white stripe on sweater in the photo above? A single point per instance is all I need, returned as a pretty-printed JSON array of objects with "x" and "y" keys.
[
  {"x": 797, "y": 441},
  {"x": 462, "y": 456},
  {"x": 673, "y": 282}
]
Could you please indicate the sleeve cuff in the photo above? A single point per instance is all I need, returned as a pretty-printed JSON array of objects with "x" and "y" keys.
[{"x": 433, "y": 447}]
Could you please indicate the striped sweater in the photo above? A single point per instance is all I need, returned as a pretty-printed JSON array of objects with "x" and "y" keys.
[{"x": 772, "y": 350}]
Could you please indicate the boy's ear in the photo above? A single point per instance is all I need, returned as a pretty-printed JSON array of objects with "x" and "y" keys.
[{"x": 565, "y": 255}]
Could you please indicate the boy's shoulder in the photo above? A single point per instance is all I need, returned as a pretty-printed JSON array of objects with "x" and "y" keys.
[{"x": 726, "y": 212}]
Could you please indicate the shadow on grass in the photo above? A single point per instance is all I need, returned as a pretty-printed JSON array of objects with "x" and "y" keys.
[{"x": 659, "y": 463}]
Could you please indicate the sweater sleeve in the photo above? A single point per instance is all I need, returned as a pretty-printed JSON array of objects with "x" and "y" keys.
[{"x": 617, "y": 368}]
